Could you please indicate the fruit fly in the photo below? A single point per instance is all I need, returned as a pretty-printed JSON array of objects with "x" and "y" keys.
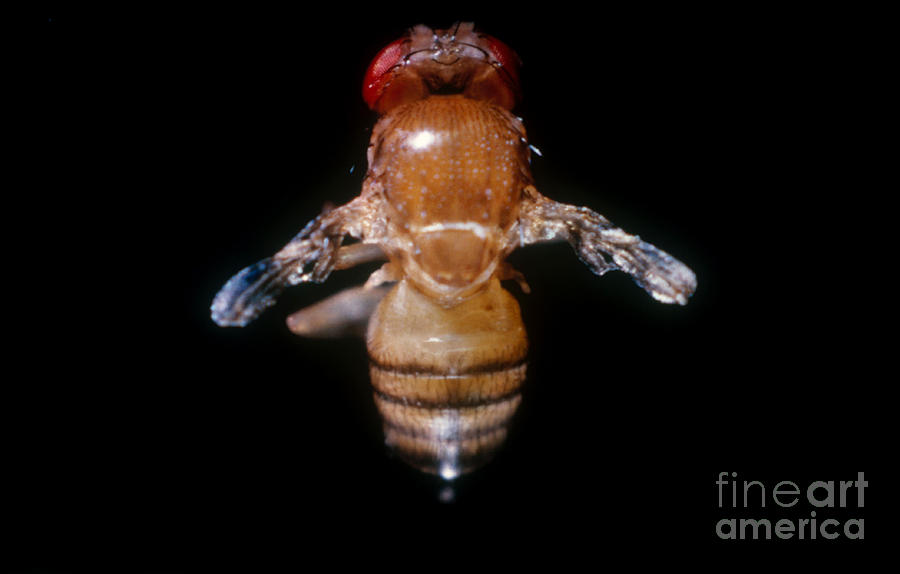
[{"x": 448, "y": 195}]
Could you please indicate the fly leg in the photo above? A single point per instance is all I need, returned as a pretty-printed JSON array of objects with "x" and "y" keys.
[
  {"x": 347, "y": 312},
  {"x": 343, "y": 314}
]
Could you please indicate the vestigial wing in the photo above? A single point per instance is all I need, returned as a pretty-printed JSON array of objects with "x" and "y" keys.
[{"x": 604, "y": 247}]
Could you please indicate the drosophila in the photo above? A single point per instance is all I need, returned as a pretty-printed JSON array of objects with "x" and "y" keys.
[{"x": 448, "y": 195}]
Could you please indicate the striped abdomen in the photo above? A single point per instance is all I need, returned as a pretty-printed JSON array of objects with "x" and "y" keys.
[{"x": 447, "y": 380}]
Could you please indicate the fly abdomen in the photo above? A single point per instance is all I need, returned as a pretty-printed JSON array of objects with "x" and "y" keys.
[
  {"x": 447, "y": 424},
  {"x": 447, "y": 381}
]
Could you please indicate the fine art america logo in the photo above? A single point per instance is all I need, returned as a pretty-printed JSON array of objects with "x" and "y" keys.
[{"x": 801, "y": 514}]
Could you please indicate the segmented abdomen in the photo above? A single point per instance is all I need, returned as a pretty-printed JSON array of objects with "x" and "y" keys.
[{"x": 447, "y": 381}]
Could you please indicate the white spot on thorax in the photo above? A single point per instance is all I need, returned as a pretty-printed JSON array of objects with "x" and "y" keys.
[
  {"x": 473, "y": 226},
  {"x": 422, "y": 140}
]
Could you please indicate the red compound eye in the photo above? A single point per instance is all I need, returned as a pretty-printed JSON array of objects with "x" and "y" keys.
[
  {"x": 377, "y": 73},
  {"x": 507, "y": 58}
]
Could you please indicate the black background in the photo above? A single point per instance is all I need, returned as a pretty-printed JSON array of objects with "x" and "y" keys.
[{"x": 177, "y": 148}]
